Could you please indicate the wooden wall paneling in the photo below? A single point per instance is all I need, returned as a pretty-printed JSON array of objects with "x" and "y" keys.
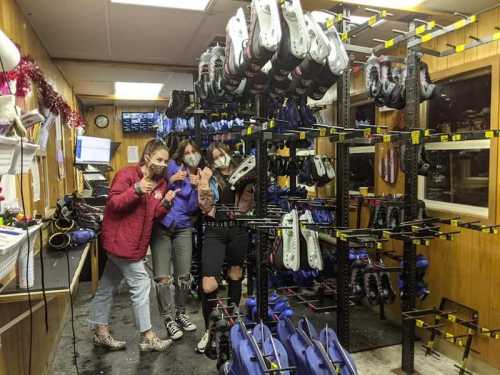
[
  {"x": 486, "y": 26},
  {"x": 454, "y": 39},
  {"x": 471, "y": 54}
]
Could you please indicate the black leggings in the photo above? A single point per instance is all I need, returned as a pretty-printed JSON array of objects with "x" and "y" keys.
[
  {"x": 219, "y": 244},
  {"x": 222, "y": 243}
]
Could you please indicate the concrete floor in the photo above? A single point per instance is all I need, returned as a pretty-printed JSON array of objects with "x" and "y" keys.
[{"x": 182, "y": 359}]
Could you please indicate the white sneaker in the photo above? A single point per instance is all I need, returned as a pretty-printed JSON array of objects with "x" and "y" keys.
[
  {"x": 202, "y": 344},
  {"x": 185, "y": 323},
  {"x": 173, "y": 329}
]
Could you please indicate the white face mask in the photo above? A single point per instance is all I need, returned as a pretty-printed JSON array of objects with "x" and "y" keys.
[
  {"x": 222, "y": 162},
  {"x": 192, "y": 160}
]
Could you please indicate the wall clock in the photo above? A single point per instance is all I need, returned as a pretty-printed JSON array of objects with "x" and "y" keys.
[{"x": 102, "y": 121}]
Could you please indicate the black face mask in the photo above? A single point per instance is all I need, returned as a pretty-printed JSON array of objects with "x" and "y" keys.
[{"x": 157, "y": 170}]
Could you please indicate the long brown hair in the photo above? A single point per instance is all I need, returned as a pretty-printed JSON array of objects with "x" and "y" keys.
[
  {"x": 178, "y": 155},
  {"x": 151, "y": 147}
]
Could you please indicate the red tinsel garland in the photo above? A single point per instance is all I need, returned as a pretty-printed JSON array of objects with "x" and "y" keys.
[{"x": 27, "y": 72}]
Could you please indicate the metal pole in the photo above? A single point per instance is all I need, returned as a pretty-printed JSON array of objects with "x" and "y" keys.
[
  {"x": 408, "y": 303},
  {"x": 342, "y": 213}
]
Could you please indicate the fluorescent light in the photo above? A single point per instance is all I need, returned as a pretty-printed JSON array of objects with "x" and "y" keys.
[
  {"x": 137, "y": 90},
  {"x": 199, "y": 5},
  {"x": 399, "y": 4},
  {"x": 358, "y": 19}
]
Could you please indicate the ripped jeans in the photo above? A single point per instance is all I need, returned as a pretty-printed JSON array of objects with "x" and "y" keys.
[{"x": 172, "y": 248}]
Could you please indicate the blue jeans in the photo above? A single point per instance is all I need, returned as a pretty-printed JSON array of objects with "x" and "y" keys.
[{"x": 139, "y": 284}]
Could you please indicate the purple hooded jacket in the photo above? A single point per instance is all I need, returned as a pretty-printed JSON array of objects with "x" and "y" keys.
[{"x": 185, "y": 203}]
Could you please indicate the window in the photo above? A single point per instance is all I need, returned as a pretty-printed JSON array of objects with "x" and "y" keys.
[
  {"x": 362, "y": 164},
  {"x": 363, "y": 112},
  {"x": 463, "y": 104},
  {"x": 458, "y": 179}
]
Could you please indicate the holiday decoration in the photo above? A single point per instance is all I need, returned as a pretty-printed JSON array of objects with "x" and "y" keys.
[{"x": 28, "y": 72}]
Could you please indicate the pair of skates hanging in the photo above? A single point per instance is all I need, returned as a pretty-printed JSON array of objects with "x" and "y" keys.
[{"x": 285, "y": 51}]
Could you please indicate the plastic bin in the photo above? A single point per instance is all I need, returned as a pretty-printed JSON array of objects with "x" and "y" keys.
[
  {"x": 7, "y": 150},
  {"x": 29, "y": 151}
]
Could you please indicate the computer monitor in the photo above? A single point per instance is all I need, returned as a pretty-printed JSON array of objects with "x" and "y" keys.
[{"x": 92, "y": 150}]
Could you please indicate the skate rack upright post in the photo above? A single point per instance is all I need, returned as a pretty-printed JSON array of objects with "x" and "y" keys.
[
  {"x": 412, "y": 109},
  {"x": 260, "y": 212},
  {"x": 342, "y": 212}
]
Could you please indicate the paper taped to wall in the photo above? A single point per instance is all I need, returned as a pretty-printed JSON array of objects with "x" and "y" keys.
[{"x": 133, "y": 154}]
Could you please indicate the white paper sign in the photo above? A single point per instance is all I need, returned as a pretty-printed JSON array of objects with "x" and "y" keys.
[
  {"x": 133, "y": 154},
  {"x": 36, "y": 181}
]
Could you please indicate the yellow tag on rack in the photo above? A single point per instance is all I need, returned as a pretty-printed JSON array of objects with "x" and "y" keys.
[
  {"x": 387, "y": 138},
  {"x": 449, "y": 337},
  {"x": 485, "y": 331},
  {"x": 343, "y": 237},
  {"x": 367, "y": 132},
  {"x": 417, "y": 242},
  {"x": 386, "y": 234},
  {"x": 473, "y": 18},
  {"x": 452, "y": 318},
  {"x": 485, "y": 230},
  {"x": 431, "y": 25},
  {"x": 372, "y": 20},
  {"x": 341, "y": 137},
  {"x": 420, "y": 30},
  {"x": 279, "y": 233},
  {"x": 333, "y": 130},
  {"x": 337, "y": 233},
  {"x": 249, "y": 130},
  {"x": 444, "y": 138},
  {"x": 389, "y": 43},
  {"x": 302, "y": 135},
  {"x": 383, "y": 14},
  {"x": 419, "y": 323},
  {"x": 427, "y": 132},
  {"x": 460, "y": 343},
  {"x": 339, "y": 17},
  {"x": 329, "y": 23},
  {"x": 380, "y": 245},
  {"x": 496, "y": 36},
  {"x": 443, "y": 237},
  {"x": 459, "y": 24},
  {"x": 456, "y": 137},
  {"x": 497, "y": 336},
  {"x": 460, "y": 48},
  {"x": 322, "y": 132},
  {"x": 415, "y": 228},
  {"x": 272, "y": 124},
  {"x": 454, "y": 223},
  {"x": 426, "y": 38},
  {"x": 344, "y": 36},
  {"x": 415, "y": 137},
  {"x": 489, "y": 134}
]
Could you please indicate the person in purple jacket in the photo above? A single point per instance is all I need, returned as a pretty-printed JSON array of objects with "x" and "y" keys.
[{"x": 171, "y": 242}]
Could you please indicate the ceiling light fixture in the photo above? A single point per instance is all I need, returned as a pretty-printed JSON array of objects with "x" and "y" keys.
[
  {"x": 399, "y": 4},
  {"x": 198, "y": 5},
  {"x": 137, "y": 90}
]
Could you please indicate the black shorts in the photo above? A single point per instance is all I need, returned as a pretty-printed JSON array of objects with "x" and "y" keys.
[{"x": 223, "y": 243}]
